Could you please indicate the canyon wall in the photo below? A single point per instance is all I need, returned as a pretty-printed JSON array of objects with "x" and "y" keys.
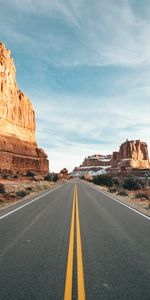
[{"x": 18, "y": 148}]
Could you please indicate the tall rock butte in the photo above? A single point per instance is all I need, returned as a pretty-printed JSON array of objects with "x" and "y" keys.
[
  {"x": 132, "y": 154},
  {"x": 18, "y": 148}
]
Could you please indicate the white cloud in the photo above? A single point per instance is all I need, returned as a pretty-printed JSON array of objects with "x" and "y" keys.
[{"x": 69, "y": 132}]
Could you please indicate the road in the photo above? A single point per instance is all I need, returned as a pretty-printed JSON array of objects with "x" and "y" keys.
[{"x": 74, "y": 243}]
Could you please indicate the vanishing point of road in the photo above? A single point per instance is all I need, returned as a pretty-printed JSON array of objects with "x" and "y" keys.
[{"x": 74, "y": 242}]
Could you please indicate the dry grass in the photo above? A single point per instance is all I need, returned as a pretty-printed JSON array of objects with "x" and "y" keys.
[{"x": 15, "y": 191}]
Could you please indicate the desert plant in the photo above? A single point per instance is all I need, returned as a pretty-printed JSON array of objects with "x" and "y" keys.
[
  {"x": 29, "y": 188},
  {"x": 48, "y": 177},
  {"x": 103, "y": 180},
  {"x": 2, "y": 188},
  {"x": 30, "y": 174},
  {"x": 123, "y": 193},
  {"x": 55, "y": 177},
  {"x": 5, "y": 176},
  {"x": 132, "y": 184},
  {"x": 112, "y": 190},
  {"x": 21, "y": 193},
  {"x": 51, "y": 177},
  {"x": 115, "y": 181},
  {"x": 142, "y": 195}
]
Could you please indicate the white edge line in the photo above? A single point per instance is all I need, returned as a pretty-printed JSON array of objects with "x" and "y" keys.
[
  {"x": 20, "y": 207},
  {"x": 126, "y": 205}
]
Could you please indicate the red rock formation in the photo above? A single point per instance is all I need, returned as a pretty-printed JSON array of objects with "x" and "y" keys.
[
  {"x": 18, "y": 147},
  {"x": 64, "y": 174},
  {"x": 94, "y": 163},
  {"x": 97, "y": 160},
  {"x": 133, "y": 154}
]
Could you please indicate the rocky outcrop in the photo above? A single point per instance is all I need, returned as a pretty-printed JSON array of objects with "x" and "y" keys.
[
  {"x": 132, "y": 154},
  {"x": 63, "y": 174},
  {"x": 18, "y": 147},
  {"x": 94, "y": 163}
]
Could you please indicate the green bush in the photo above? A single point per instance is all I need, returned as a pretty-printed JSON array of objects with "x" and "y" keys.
[
  {"x": 48, "y": 177},
  {"x": 51, "y": 177},
  {"x": 132, "y": 184},
  {"x": 140, "y": 195},
  {"x": 2, "y": 188},
  {"x": 55, "y": 177},
  {"x": 103, "y": 180},
  {"x": 115, "y": 181},
  {"x": 21, "y": 193}
]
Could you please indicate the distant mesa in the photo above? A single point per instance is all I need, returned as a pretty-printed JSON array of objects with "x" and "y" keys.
[
  {"x": 95, "y": 164},
  {"x": 132, "y": 156},
  {"x": 18, "y": 148}
]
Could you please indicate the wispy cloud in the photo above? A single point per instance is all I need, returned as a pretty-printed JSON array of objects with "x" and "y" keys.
[{"x": 104, "y": 33}]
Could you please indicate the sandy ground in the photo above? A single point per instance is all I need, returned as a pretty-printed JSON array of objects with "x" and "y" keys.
[
  {"x": 142, "y": 206},
  {"x": 32, "y": 188}
]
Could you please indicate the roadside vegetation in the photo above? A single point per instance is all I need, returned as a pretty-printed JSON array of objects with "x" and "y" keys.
[
  {"x": 137, "y": 190},
  {"x": 14, "y": 187}
]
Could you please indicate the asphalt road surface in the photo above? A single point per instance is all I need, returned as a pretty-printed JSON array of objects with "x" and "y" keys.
[{"x": 74, "y": 243}]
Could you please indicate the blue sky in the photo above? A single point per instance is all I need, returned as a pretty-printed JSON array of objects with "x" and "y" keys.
[{"x": 85, "y": 65}]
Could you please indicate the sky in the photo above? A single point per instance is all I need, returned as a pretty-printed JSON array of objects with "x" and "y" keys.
[{"x": 85, "y": 65}]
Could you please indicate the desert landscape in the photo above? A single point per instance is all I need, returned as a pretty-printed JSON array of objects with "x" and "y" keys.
[
  {"x": 24, "y": 168},
  {"x": 74, "y": 150}
]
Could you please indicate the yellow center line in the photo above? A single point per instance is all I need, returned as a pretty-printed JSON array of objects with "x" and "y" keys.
[
  {"x": 80, "y": 273},
  {"x": 69, "y": 274}
]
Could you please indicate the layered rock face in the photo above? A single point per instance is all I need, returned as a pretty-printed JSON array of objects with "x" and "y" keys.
[
  {"x": 95, "y": 162},
  {"x": 132, "y": 154},
  {"x": 18, "y": 147}
]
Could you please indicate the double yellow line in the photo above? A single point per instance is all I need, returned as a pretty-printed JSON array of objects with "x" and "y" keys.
[{"x": 80, "y": 273}]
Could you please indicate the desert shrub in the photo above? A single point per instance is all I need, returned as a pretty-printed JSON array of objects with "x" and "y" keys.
[
  {"x": 2, "y": 188},
  {"x": 30, "y": 174},
  {"x": 103, "y": 180},
  {"x": 112, "y": 190},
  {"x": 55, "y": 177},
  {"x": 123, "y": 193},
  {"x": 21, "y": 193},
  {"x": 141, "y": 195},
  {"x": 29, "y": 188},
  {"x": 51, "y": 177},
  {"x": 115, "y": 181},
  {"x": 132, "y": 184},
  {"x": 5, "y": 176},
  {"x": 48, "y": 177}
]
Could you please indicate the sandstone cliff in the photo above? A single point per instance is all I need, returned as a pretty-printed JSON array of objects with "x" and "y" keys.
[
  {"x": 18, "y": 147},
  {"x": 132, "y": 154}
]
